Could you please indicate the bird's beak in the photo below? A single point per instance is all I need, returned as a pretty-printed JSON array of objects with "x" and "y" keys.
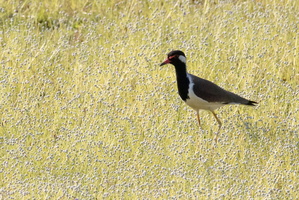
[{"x": 165, "y": 62}]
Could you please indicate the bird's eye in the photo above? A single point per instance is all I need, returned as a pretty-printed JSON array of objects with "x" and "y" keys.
[{"x": 171, "y": 57}]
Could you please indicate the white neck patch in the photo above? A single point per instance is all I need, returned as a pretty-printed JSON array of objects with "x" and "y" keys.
[{"x": 182, "y": 59}]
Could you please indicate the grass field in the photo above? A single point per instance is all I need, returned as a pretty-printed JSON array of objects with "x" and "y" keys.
[{"x": 88, "y": 113}]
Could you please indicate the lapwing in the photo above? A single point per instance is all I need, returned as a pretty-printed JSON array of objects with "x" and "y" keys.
[{"x": 198, "y": 93}]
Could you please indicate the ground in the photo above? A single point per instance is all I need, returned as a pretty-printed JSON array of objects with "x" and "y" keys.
[{"x": 88, "y": 113}]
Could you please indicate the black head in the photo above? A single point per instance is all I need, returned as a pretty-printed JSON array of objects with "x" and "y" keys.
[{"x": 175, "y": 57}]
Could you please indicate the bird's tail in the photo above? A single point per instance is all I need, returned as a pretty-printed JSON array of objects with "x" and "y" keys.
[{"x": 252, "y": 103}]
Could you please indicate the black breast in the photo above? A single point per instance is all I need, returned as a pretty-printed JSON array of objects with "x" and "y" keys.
[{"x": 182, "y": 82}]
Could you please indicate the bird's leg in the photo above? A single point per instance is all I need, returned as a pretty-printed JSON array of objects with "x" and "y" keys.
[
  {"x": 220, "y": 124},
  {"x": 198, "y": 119}
]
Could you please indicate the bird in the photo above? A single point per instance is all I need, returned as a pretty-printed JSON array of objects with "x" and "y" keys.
[{"x": 199, "y": 93}]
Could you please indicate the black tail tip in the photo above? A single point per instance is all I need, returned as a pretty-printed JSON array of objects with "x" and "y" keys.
[{"x": 252, "y": 103}]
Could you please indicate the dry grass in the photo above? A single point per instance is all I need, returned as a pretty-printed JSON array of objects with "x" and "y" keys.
[{"x": 88, "y": 113}]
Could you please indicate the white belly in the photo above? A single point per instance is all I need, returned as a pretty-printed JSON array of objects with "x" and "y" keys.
[{"x": 198, "y": 103}]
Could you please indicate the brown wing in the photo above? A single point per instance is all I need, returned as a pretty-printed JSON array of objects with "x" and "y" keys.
[{"x": 213, "y": 93}]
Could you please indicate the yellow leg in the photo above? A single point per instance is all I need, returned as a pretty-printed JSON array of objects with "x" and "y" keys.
[
  {"x": 198, "y": 119},
  {"x": 220, "y": 124},
  {"x": 218, "y": 120}
]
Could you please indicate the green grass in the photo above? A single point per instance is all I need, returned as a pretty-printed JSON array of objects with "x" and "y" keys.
[{"x": 87, "y": 112}]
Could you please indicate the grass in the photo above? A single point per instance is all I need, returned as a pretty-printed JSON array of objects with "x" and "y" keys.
[{"x": 88, "y": 113}]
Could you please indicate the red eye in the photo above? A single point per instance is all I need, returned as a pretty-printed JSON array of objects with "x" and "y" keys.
[{"x": 171, "y": 57}]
